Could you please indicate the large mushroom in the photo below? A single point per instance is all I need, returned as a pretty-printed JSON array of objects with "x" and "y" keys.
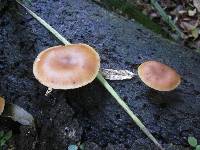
[
  {"x": 158, "y": 76},
  {"x": 67, "y": 67}
]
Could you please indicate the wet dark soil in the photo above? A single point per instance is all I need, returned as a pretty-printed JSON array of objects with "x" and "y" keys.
[{"x": 89, "y": 114}]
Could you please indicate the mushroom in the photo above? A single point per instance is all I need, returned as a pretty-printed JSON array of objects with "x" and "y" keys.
[
  {"x": 158, "y": 76},
  {"x": 2, "y": 105},
  {"x": 67, "y": 67},
  {"x": 101, "y": 79}
]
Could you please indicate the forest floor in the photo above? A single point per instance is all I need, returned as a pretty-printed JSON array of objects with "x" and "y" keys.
[{"x": 89, "y": 115}]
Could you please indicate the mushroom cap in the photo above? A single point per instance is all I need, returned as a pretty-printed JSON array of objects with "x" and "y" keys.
[
  {"x": 2, "y": 105},
  {"x": 67, "y": 67},
  {"x": 158, "y": 76}
]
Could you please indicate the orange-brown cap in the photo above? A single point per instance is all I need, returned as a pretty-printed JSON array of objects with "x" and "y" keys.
[
  {"x": 158, "y": 76},
  {"x": 2, "y": 105},
  {"x": 67, "y": 67}
]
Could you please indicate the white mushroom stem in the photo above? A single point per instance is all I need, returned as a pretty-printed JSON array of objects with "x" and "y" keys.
[
  {"x": 49, "y": 90},
  {"x": 100, "y": 78}
]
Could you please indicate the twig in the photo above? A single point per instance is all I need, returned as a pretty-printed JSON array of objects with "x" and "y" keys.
[
  {"x": 100, "y": 78},
  {"x": 166, "y": 18}
]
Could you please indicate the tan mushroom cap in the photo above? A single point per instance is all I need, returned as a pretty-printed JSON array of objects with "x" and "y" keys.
[
  {"x": 158, "y": 76},
  {"x": 67, "y": 67},
  {"x": 2, "y": 105}
]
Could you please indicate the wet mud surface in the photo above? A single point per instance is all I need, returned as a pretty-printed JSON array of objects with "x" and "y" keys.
[{"x": 89, "y": 114}]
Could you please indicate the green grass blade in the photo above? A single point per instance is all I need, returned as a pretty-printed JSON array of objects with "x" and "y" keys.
[
  {"x": 101, "y": 79},
  {"x": 166, "y": 18},
  {"x": 127, "y": 109}
]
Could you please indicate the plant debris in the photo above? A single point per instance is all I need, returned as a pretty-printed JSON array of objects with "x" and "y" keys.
[
  {"x": 112, "y": 74},
  {"x": 15, "y": 112},
  {"x": 18, "y": 114},
  {"x": 185, "y": 14},
  {"x": 197, "y": 4},
  {"x": 4, "y": 137}
]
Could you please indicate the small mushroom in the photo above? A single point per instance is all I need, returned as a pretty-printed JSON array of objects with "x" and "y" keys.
[
  {"x": 2, "y": 105},
  {"x": 158, "y": 76},
  {"x": 67, "y": 67}
]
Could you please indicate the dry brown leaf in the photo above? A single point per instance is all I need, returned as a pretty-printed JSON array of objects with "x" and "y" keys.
[
  {"x": 186, "y": 26},
  {"x": 178, "y": 12},
  {"x": 197, "y": 4},
  {"x": 18, "y": 114},
  {"x": 189, "y": 25},
  {"x": 112, "y": 74}
]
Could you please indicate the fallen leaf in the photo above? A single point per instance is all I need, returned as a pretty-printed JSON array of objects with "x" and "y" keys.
[
  {"x": 177, "y": 10},
  {"x": 18, "y": 114},
  {"x": 197, "y": 4},
  {"x": 112, "y": 74},
  {"x": 192, "y": 12},
  {"x": 189, "y": 25}
]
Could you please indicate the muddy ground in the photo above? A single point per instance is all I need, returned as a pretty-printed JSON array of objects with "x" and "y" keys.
[{"x": 89, "y": 114}]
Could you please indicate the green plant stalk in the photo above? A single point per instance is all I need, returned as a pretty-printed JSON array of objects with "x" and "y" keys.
[
  {"x": 127, "y": 109},
  {"x": 166, "y": 18},
  {"x": 100, "y": 78}
]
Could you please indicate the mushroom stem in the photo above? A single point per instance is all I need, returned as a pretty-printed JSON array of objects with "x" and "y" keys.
[
  {"x": 100, "y": 78},
  {"x": 49, "y": 90},
  {"x": 127, "y": 109}
]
